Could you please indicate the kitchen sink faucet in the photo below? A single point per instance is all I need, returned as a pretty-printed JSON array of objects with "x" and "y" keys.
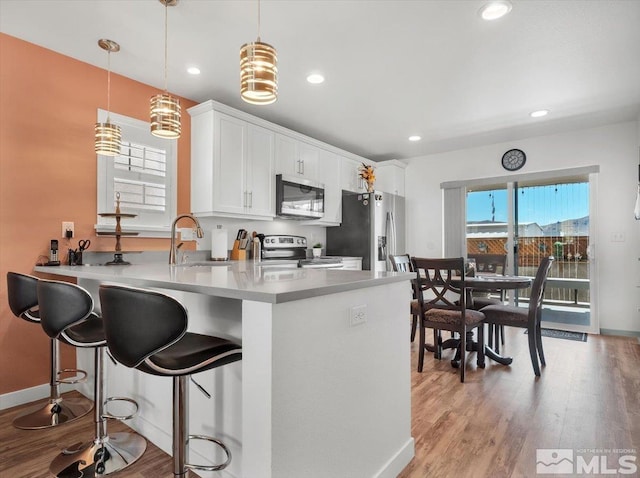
[{"x": 173, "y": 249}]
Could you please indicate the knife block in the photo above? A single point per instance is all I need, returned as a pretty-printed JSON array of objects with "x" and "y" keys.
[{"x": 238, "y": 254}]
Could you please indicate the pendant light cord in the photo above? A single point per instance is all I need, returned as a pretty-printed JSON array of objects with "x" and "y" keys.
[
  {"x": 166, "y": 27},
  {"x": 108, "y": 86},
  {"x": 258, "y": 20}
]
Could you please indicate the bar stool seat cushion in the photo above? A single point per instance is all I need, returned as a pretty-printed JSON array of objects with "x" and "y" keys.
[
  {"x": 89, "y": 333},
  {"x": 191, "y": 354}
]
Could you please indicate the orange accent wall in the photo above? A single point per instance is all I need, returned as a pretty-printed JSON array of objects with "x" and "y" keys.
[{"x": 48, "y": 107}]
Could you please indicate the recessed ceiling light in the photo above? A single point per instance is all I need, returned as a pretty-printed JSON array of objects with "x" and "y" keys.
[
  {"x": 539, "y": 113},
  {"x": 415, "y": 138},
  {"x": 315, "y": 78},
  {"x": 495, "y": 10},
  {"x": 193, "y": 70}
]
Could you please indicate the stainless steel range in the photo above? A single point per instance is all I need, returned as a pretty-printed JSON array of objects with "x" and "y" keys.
[{"x": 291, "y": 251}]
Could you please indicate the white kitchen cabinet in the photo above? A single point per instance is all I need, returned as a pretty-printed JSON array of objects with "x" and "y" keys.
[
  {"x": 350, "y": 176},
  {"x": 352, "y": 263},
  {"x": 390, "y": 177},
  {"x": 296, "y": 158},
  {"x": 329, "y": 175},
  {"x": 232, "y": 167}
]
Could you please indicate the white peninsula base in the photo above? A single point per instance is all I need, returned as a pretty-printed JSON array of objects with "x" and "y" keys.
[{"x": 313, "y": 396}]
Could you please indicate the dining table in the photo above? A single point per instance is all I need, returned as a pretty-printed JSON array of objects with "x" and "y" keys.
[{"x": 485, "y": 282}]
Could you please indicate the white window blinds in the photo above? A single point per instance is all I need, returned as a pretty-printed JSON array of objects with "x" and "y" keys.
[{"x": 145, "y": 176}]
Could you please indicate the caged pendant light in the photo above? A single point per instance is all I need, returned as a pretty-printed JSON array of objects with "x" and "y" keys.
[
  {"x": 258, "y": 71},
  {"x": 107, "y": 135},
  {"x": 164, "y": 108}
]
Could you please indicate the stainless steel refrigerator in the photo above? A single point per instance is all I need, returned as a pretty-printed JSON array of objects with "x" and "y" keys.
[{"x": 372, "y": 228}]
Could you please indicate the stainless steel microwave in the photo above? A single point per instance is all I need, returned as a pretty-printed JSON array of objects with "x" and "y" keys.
[{"x": 298, "y": 198}]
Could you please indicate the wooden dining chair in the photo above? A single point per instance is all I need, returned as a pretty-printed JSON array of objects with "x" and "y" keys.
[
  {"x": 402, "y": 263},
  {"x": 528, "y": 318},
  {"x": 442, "y": 306},
  {"x": 490, "y": 264}
]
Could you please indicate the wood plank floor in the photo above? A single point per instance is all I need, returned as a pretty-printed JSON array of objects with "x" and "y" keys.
[{"x": 587, "y": 398}]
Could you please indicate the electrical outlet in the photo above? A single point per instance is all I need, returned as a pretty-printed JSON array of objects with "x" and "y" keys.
[
  {"x": 67, "y": 226},
  {"x": 186, "y": 234},
  {"x": 357, "y": 315}
]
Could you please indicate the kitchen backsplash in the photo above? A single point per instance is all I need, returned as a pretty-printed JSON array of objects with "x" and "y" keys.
[{"x": 313, "y": 234}]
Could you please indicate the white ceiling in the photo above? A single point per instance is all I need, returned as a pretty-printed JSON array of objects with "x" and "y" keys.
[{"x": 393, "y": 68}]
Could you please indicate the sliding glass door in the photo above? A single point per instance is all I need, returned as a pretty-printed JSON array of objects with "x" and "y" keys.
[{"x": 528, "y": 220}]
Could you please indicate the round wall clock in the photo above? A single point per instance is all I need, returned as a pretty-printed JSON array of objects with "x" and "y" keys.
[{"x": 513, "y": 159}]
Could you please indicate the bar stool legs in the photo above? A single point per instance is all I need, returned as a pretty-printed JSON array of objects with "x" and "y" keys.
[
  {"x": 106, "y": 453},
  {"x": 181, "y": 435},
  {"x": 56, "y": 410}
]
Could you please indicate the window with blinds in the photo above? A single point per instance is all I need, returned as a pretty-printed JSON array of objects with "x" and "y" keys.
[
  {"x": 139, "y": 176},
  {"x": 144, "y": 174}
]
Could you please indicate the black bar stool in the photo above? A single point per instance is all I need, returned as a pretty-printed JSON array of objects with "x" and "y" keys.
[
  {"x": 66, "y": 312},
  {"x": 23, "y": 302},
  {"x": 147, "y": 330}
]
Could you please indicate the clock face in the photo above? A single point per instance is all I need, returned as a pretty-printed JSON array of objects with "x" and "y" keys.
[{"x": 513, "y": 159}]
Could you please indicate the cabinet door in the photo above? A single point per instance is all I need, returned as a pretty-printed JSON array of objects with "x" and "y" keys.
[
  {"x": 308, "y": 161},
  {"x": 296, "y": 158},
  {"x": 350, "y": 172},
  {"x": 390, "y": 178},
  {"x": 202, "y": 162},
  {"x": 329, "y": 175},
  {"x": 260, "y": 171},
  {"x": 352, "y": 264},
  {"x": 287, "y": 161},
  {"x": 229, "y": 189}
]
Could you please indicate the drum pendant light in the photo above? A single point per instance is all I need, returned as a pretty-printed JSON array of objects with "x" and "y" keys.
[
  {"x": 107, "y": 135},
  {"x": 258, "y": 71},
  {"x": 164, "y": 108}
]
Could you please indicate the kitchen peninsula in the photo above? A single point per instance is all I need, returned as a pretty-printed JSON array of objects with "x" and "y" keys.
[{"x": 323, "y": 388}]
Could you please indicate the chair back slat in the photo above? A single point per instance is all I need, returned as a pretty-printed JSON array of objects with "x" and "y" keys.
[
  {"x": 538, "y": 287},
  {"x": 491, "y": 263},
  {"x": 435, "y": 276},
  {"x": 401, "y": 263}
]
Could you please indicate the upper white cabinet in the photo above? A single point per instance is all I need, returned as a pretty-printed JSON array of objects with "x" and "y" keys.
[
  {"x": 329, "y": 173},
  {"x": 350, "y": 176},
  {"x": 235, "y": 158},
  {"x": 296, "y": 158},
  {"x": 232, "y": 167},
  {"x": 390, "y": 177}
]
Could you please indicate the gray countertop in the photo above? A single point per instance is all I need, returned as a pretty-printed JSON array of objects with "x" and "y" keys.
[{"x": 243, "y": 280}]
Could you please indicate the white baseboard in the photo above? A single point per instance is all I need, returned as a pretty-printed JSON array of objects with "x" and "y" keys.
[
  {"x": 20, "y": 397},
  {"x": 399, "y": 461}
]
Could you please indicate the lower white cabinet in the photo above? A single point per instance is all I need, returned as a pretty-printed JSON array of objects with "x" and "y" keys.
[
  {"x": 352, "y": 263},
  {"x": 232, "y": 167}
]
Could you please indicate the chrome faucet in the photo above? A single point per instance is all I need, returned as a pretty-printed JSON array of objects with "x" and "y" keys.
[{"x": 173, "y": 250}]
